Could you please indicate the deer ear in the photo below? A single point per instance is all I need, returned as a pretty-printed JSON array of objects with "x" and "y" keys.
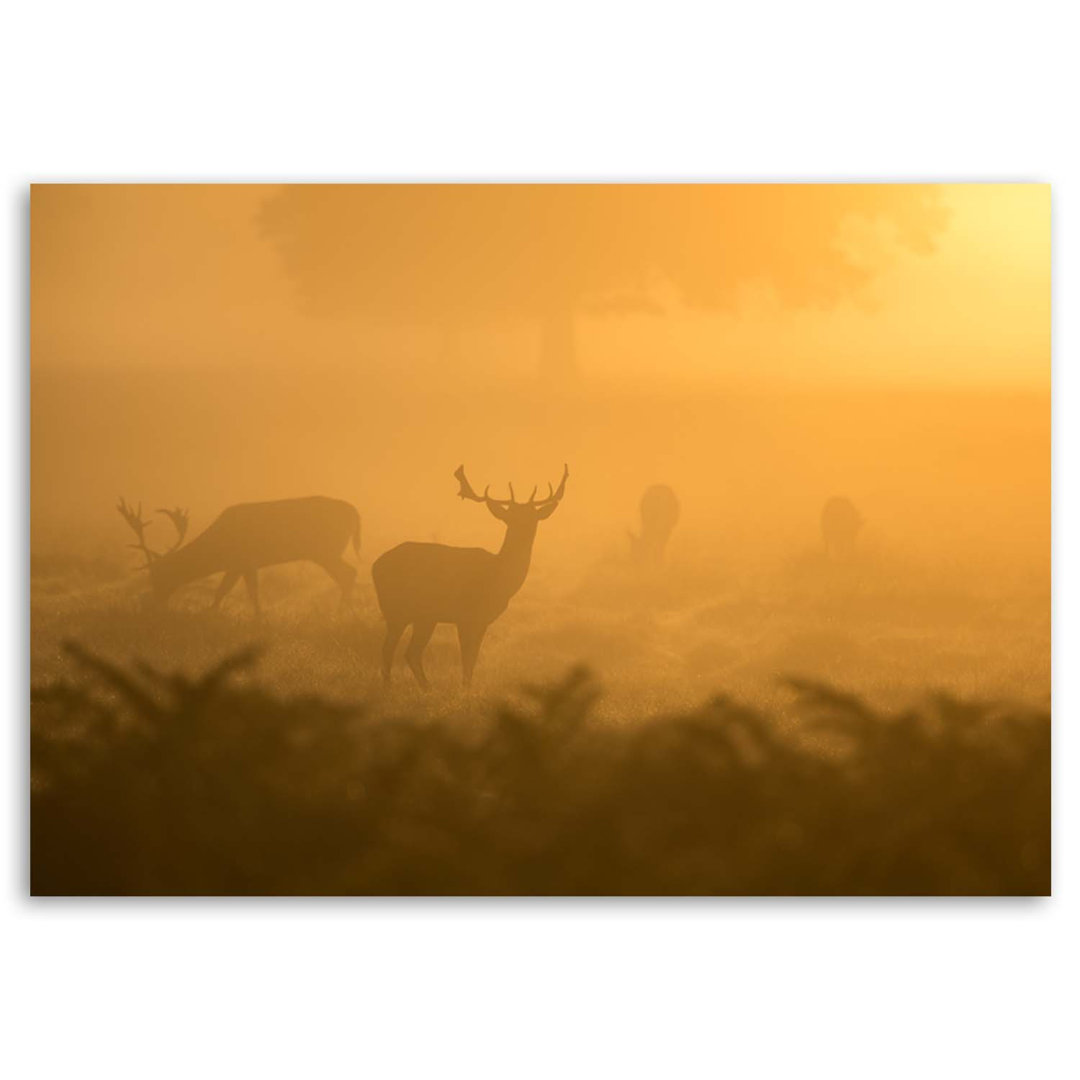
[
  {"x": 546, "y": 511},
  {"x": 498, "y": 511}
]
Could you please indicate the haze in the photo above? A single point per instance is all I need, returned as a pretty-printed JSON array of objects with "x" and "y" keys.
[{"x": 206, "y": 345}]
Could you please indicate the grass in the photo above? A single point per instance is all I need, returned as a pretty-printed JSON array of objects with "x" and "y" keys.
[
  {"x": 151, "y": 783},
  {"x": 889, "y": 632},
  {"x": 710, "y": 754}
]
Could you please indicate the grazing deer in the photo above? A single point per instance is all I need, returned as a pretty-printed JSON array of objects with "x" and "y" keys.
[
  {"x": 246, "y": 537},
  {"x": 425, "y": 584},
  {"x": 840, "y": 525},
  {"x": 659, "y": 516}
]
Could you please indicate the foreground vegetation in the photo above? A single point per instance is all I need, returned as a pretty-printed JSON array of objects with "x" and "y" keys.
[{"x": 151, "y": 783}]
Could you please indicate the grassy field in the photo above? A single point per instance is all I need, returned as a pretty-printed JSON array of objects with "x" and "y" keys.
[
  {"x": 888, "y": 630},
  {"x": 854, "y": 729},
  {"x": 147, "y": 782},
  {"x": 947, "y": 600}
]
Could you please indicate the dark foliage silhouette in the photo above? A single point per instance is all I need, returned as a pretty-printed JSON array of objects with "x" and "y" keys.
[
  {"x": 422, "y": 585},
  {"x": 247, "y": 537},
  {"x": 152, "y": 783}
]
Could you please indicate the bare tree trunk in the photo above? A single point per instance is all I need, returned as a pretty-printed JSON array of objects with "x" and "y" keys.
[{"x": 558, "y": 344}]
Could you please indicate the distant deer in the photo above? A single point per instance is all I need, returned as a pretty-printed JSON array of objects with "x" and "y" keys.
[
  {"x": 249, "y": 536},
  {"x": 659, "y": 516},
  {"x": 425, "y": 584},
  {"x": 840, "y": 525}
]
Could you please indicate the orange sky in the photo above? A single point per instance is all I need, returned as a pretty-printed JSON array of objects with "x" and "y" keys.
[{"x": 175, "y": 275}]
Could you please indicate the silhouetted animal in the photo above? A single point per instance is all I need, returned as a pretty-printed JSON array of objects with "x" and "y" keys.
[
  {"x": 659, "y": 516},
  {"x": 249, "y": 536},
  {"x": 422, "y": 585},
  {"x": 840, "y": 525}
]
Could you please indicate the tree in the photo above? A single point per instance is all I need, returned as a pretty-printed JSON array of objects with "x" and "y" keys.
[{"x": 454, "y": 254}]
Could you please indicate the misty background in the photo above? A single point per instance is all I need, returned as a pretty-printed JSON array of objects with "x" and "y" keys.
[{"x": 759, "y": 349}]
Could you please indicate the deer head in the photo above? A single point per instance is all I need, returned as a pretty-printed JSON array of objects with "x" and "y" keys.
[
  {"x": 514, "y": 513},
  {"x": 133, "y": 516}
]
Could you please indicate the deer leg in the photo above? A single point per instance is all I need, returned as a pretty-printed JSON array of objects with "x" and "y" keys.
[
  {"x": 421, "y": 635},
  {"x": 393, "y": 636},
  {"x": 228, "y": 580},
  {"x": 469, "y": 637},
  {"x": 251, "y": 580}
]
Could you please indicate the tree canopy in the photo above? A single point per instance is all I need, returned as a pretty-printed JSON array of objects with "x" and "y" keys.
[{"x": 456, "y": 254}]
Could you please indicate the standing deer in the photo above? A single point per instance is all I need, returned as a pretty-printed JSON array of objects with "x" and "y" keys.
[
  {"x": 425, "y": 584},
  {"x": 246, "y": 537},
  {"x": 840, "y": 525},
  {"x": 659, "y": 516}
]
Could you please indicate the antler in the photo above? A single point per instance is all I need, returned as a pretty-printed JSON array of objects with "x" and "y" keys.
[
  {"x": 179, "y": 518},
  {"x": 134, "y": 518},
  {"x": 556, "y": 496},
  {"x": 466, "y": 492}
]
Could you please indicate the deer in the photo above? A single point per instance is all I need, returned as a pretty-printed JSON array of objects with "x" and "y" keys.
[
  {"x": 246, "y": 537},
  {"x": 659, "y": 516},
  {"x": 841, "y": 523},
  {"x": 424, "y": 584}
]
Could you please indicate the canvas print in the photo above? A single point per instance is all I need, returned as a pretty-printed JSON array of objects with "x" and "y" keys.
[{"x": 540, "y": 539}]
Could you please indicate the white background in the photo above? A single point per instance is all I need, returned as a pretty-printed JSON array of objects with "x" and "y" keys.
[{"x": 211, "y": 91}]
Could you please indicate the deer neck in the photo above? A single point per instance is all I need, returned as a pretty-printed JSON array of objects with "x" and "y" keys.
[
  {"x": 181, "y": 566},
  {"x": 515, "y": 556}
]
